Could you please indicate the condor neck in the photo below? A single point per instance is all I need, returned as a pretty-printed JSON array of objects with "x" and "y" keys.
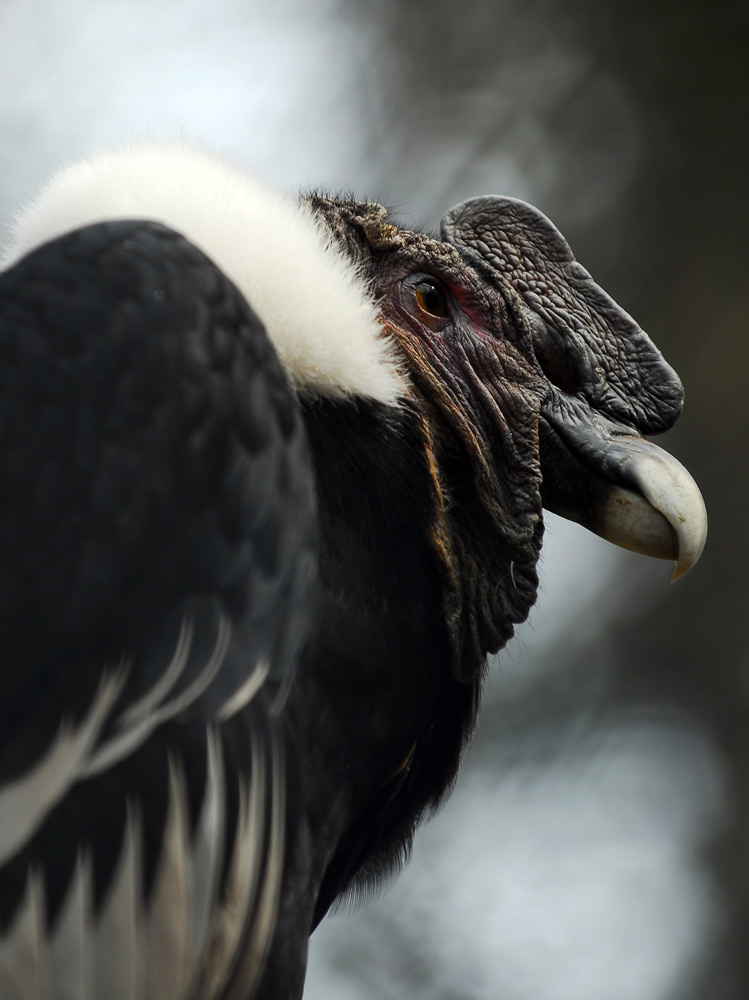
[
  {"x": 379, "y": 628},
  {"x": 374, "y": 491}
]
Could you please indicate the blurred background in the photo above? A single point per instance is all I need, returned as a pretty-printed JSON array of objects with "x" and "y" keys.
[{"x": 597, "y": 845}]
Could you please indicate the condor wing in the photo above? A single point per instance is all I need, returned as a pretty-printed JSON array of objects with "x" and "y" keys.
[{"x": 156, "y": 520}]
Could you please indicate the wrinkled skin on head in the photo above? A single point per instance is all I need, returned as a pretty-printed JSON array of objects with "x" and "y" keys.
[
  {"x": 535, "y": 390},
  {"x": 609, "y": 386}
]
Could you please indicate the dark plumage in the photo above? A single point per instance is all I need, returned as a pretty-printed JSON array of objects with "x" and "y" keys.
[{"x": 246, "y": 603}]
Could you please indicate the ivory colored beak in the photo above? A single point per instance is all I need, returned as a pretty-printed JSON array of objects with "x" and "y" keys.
[{"x": 665, "y": 518}]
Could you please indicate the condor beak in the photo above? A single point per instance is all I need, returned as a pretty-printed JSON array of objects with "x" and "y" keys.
[{"x": 622, "y": 487}]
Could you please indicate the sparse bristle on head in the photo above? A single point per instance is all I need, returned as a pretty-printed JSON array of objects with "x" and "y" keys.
[{"x": 315, "y": 306}]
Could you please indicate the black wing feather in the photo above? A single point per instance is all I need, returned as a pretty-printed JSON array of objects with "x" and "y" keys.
[{"x": 156, "y": 521}]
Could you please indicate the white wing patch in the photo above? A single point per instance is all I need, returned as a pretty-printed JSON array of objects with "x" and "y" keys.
[
  {"x": 206, "y": 860},
  {"x": 192, "y": 938},
  {"x": 116, "y": 934},
  {"x": 26, "y": 801},
  {"x": 244, "y": 695},
  {"x": 140, "y": 719},
  {"x": 68, "y": 962},
  {"x": 266, "y": 906},
  {"x": 139, "y": 711},
  {"x": 317, "y": 310},
  {"x": 19, "y": 952},
  {"x": 168, "y": 922}
]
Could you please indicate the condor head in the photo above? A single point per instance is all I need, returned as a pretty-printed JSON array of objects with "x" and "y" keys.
[{"x": 536, "y": 390}]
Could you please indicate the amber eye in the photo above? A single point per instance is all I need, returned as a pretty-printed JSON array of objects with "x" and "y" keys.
[{"x": 431, "y": 298}]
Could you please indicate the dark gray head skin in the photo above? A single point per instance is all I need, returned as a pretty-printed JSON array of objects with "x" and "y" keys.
[
  {"x": 609, "y": 385},
  {"x": 547, "y": 382}
]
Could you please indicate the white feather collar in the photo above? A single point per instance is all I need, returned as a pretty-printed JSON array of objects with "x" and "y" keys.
[{"x": 317, "y": 310}]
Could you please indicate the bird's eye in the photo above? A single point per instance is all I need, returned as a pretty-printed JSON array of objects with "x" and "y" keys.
[{"x": 431, "y": 297}]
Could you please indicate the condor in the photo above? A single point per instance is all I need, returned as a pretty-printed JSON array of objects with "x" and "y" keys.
[{"x": 271, "y": 491}]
